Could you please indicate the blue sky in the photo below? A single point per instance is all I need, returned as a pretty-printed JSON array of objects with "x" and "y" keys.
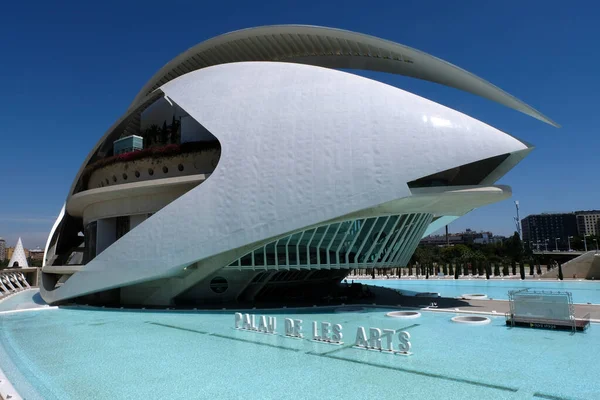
[{"x": 69, "y": 69}]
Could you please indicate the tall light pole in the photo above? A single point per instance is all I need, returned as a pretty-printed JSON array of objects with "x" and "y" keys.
[
  {"x": 585, "y": 241},
  {"x": 556, "y": 243},
  {"x": 596, "y": 240},
  {"x": 569, "y": 239},
  {"x": 518, "y": 220},
  {"x": 547, "y": 240}
]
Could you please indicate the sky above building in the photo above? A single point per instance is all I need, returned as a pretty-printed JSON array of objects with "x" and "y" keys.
[{"x": 71, "y": 68}]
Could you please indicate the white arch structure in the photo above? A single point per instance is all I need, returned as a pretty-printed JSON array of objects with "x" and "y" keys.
[{"x": 320, "y": 171}]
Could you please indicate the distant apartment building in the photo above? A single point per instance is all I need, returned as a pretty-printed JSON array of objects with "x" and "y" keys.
[
  {"x": 548, "y": 227},
  {"x": 36, "y": 254},
  {"x": 2, "y": 249},
  {"x": 467, "y": 237},
  {"x": 588, "y": 222},
  {"x": 10, "y": 250}
]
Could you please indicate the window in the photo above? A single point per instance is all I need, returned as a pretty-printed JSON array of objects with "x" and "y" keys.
[
  {"x": 89, "y": 251},
  {"x": 122, "y": 226},
  {"x": 468, "y": 174}
]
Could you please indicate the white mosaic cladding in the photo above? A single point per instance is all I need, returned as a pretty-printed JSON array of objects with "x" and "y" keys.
[{"x": 300, "y": 145}]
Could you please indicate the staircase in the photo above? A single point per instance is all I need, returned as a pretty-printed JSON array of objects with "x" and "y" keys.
[{"x": 586, "y": 266}]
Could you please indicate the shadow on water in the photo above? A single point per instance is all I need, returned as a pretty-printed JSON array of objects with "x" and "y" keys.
[{"x": 37, "y": 299}]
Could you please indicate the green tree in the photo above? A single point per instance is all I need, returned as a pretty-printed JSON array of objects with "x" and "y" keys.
[
  {"x": 174, "y": 128},
  {"x": 514, "y": 250},
  {"x": 478, "y": 259},
  {"x": 456, "y": 272},
  {"x": 164, "y": 134},
  {"x": 496, "y": 268},
  {"x": 522, "y": 270},
  {"x": 505, "y": 262},
  {"x": 560, "y": 272}
]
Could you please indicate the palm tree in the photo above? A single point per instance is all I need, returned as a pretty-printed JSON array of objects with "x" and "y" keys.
[
  {"x": 560, "y": 273},
  {"x": 505, "y": 263},
  {"x": 531, "y": 271},
  {"x": 465, "y": 258},
  {"x": 478, "y": 260},
  {"x": 522, "y": 271},
  {"x": 151, "y": 135}
]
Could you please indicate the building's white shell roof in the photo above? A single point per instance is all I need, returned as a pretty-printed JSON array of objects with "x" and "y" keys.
[{"x": 332, "y": 48}]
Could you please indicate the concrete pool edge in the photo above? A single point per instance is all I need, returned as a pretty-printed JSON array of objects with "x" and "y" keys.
[{"x": 7, "y": 390}]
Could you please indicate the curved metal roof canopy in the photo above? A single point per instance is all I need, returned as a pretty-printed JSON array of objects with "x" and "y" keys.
[{"x": 330, "y": 48}]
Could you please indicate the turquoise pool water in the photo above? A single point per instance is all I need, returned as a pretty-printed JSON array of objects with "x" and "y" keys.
[
  {"x": 27, "y": 299},
  {"x": 583, "y": 292},
  {"x": 79, "y": 354}
]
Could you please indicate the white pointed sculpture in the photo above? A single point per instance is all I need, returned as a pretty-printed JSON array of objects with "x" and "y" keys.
[{"x": 18, "y": 259}]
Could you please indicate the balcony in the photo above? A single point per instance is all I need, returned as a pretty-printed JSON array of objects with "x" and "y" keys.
[{"x": 170, "y": 161}]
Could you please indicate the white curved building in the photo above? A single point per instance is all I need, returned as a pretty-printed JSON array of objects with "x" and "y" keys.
[{"x": 268, "y": 174}]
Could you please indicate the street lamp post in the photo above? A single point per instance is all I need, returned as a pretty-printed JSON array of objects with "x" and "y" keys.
[
  {"x": 556, "y": 243},
  {"x": 569, "y": 239},
  {"x": 546, "y": 243},
  {"x": 585, "y": 241}
]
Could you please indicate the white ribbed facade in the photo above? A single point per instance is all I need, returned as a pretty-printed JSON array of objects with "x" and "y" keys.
[{"x": 315, "y": 172}]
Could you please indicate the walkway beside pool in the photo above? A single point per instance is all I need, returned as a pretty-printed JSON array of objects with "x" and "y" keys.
[{"x": 500, "y": 307}]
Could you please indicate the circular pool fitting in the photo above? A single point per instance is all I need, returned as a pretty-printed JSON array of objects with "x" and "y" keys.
[
  {"x": 404, "y": 314},
  {"x": 474, "y": 296},
  {"x": 470, "y": 319},
  {"x": 349, "y": 309}
]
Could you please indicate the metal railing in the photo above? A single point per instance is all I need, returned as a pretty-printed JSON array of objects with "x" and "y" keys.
[{"x": 12, "y": 282}]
